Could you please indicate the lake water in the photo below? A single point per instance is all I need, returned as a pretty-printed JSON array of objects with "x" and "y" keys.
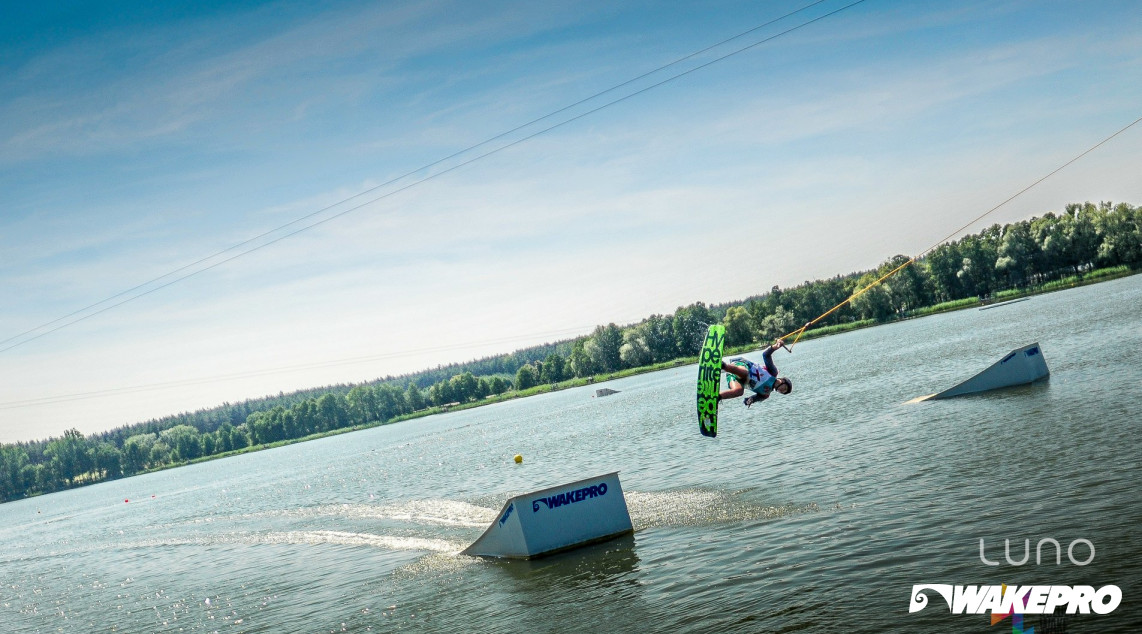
[{"x": 814, "y": 512}]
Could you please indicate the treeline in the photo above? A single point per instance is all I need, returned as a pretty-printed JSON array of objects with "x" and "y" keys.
[
  {"x": 1000, "y": 258},
  {"x": 74, "y": 460}
]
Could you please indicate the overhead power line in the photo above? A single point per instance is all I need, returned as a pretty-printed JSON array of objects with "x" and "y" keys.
[
  {"x": 264, "y": 240},
  {"x": 800, "y": 331}
]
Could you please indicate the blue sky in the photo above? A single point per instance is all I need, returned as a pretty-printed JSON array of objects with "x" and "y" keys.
[{"x": 136, "y": 140}]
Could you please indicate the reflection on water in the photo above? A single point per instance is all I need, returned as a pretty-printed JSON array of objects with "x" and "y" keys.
[
  {"x": 608, "y": 563},
  {"x": 341, "y": 538},
  {"x": 696, "y": 508},
  {"x": 812, "y": 512}
]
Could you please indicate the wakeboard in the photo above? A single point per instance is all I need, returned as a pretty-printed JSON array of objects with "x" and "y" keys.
[{"x": 709, "y": 377}]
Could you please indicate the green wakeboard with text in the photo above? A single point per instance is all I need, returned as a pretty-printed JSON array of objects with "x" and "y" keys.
[{"x": 709, "y": 377}]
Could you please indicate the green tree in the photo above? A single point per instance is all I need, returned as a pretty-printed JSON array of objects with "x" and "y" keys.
[
  {"x": 224, "y": 439},
  {"x": 332, "y": 412},
  {"x": 160, "y": 454},
  {"x": 185, "y": 442},
  {"x": 291, "y": 428},
  {"x": 107, "y": 460},
  {"x": 943, "y": 264},
  {"x": 13, "y": 462},
  {"x": 39, "y": 478},
  {"x": 209, "y": 447},
  {"x": 362, "y": 404},
  {"x": 497, "y": 385},
  {"x": 739, "y": 332},
  {"x": 1018, "y": 254},
  {"x": 690, "y": 326},
  {"x": 776, "y": 324},
  {"x": 604, "y": 347},
  {"x": 414, "y": 397},
  {"x": 635, "y": 351},
  {"x": 68, "y": 456},
  {"x": 1080, "y": 224},
  {"x": 875, "y": 302},
  {"x": 464, "y": 387},
  {"x": 137, "y": 452},
  {"x": 261, "y": 428},
  {"x": 440, "y": 393},
  {"x": 582, "y": 363},
  {"x": 1051, "y": 240},
  {"x": 276, "y": 423},
  {"x": 659, "y": 336},
  {"x": 305, "y": 417},
  {"x": 483, "y": 388},
  {"x": 240, "y": 439},
  {"x": 908, "y": 288},
  {"x": 554, "y": 367},
  {"x": 526, "y": 377},
  {"x": 977, "y": 270},
  {"x": 391, "y": 402},
  {"x": 1120, "y": 236}
]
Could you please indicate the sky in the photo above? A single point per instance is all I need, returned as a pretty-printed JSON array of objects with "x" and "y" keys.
[{"x": 204, "y": 202}]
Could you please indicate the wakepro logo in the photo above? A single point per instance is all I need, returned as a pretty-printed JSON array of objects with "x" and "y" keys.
[
  {"x": 507, "y": 514},
  {"x": 1005, "y": 600},
  {"x": 570, "y": 497}
]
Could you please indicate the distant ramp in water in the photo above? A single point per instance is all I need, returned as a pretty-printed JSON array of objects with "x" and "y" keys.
[
  {"x": 556, "y": 519},
  {"x": 1014, "y": 301},
  {"x": 1019, "y": 367}
]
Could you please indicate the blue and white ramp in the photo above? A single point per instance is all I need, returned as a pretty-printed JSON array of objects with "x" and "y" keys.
[
  {"x": 1018, "y": 367},
  {"x": 555, "y": 519}
]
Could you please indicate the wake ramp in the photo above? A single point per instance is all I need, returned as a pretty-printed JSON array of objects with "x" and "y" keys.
[
  {"x": 1019, "y": 367},
  {"x": 556, "y": 519}
]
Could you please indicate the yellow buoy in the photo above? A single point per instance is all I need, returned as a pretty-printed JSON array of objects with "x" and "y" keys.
[{"x": 518, "y": 458}]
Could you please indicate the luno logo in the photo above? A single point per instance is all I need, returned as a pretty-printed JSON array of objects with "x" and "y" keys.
[
  {"x": 1039, "y": 552},
  {"x": 570, "y": 497}
]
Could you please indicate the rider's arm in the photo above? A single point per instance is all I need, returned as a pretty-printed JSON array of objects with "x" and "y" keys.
[{"x": 767, "y": 357}]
